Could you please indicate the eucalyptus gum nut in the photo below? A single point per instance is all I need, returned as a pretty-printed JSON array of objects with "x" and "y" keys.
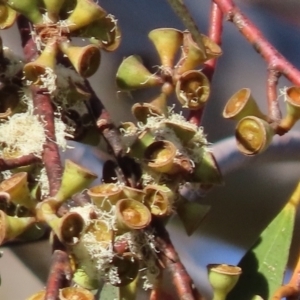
[
  {"x": 131, "y": 215},
  {"x": 33, "y": 233},
  {"x": 33, "y": 70},
  {"x": 167, "y": 42},
  {"x": 72, "y": 293},
  {"x": 193, "y": 56},
  {"x": 75, "y": 178},
  {"x": 28, "y": 8},
  {"x": 85, "y": 60},
  {"x": 160, "y": 155},
  {"x": 12, "y": 227},
  {"x": 292, "y": 101},
  {"x": 67, "y": 228},
  {"x": 53, "y": 8},
  {"x": 138, "y": 148},
  {"x": 132, "y": 75},
  {"x": 105, "y": 195},
  {"x": 159, "y": 199},
  {"x": 183, "y": 132},
  {"x": 191, "y": 214},
  {"x": 17, "y": 187},
  {"x": 103, "y": 234},
  {"x": 84, "y": 13},
  {"x": 8, "y": 16},
  {"x": 38, "y": 296},
  {"x": 192, "y": 89},
  {"x": 83, "y": 280},
  {"x": 212, "y": 49},
  {"x": 127, "y": 268},
  {"x": 158, "y": 106},
  {"x": 207, "y": 170},
  {"x": 134, "y": 193},
  {"x": 103, "y": 32},
  {"x": 253, "y": 135},
  {"x": 222, "y": 278},
  {"x": 241, "y": 105}
]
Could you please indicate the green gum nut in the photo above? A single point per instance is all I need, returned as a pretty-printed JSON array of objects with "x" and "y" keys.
[
  {"x": 129, "y": 291},
  {"x": 102, "y": 233},
  {"x": 159, "y": 199},
  {"x": 160, "y": 155},
  {"x": 105, "y": 195},
  {"x": 8, "y": 16},
  {"x": 67, "y": 228},
  {"x": 167, "y": 42},
  {"x": 157, "y": 107},
  {"x": 207, "y": 170},
  {"x": 53, "y": 8},
  {"x": 104, "y": 32},
  {"x": 12, "y": 227},
  {"x": 192, "y": 90},
  {"x": 133, "y": 193},
  {"x": 28, "y": 8},
  {"x": 127, "y": 268},
  {"x": 241, "y": 105},
  {"x": 138, "y": 148},
  {"x": 83, "y": 280},
  {"x": 75, "y": 179},
  {"x": 33, "y": 233},
  {"x": 293, "y": 108},
  {"x": 84, "y": 13},
  {"x": 85, "y": 60},
  {"x": 191, "y": 214},
  {"x": 70, "y": 293},
  {"x": 193, "y": 56},
  {"x": 183, "y": 131},
  {"x": 222, "y": 278},
  {"x": 253, "y": 135},
  {"x": 35, "y": 69},
  {"x": 132, "y": 75},
  {"x": 17, "y": 187},
  {"x": 131, "y": 215}
]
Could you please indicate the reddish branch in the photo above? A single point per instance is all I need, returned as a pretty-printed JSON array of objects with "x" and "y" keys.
[
  {"x": 11, "y": 163},
  {"x": 50, "y": 156},
  {"x": 60, "y": 275},
  {"x": 215, "y": 34},
  {"x": 183, "y": 283},
  {"x": 44, "y": 110},
  {"x": 276, "y": 63}
]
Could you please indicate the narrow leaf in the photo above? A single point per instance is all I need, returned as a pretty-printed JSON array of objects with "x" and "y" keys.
[{"x": 264, "y": 265}]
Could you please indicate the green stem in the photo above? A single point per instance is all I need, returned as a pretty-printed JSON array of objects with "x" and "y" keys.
[{"x": 186, "y": 18}]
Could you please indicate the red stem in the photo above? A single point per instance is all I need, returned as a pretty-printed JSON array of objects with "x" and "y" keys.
[
  {"x": 215, "y": 34},
  {"x": 50, "y": 156},
  {"x": 11, "y": 163},
  {"x": 60, "y": 275},
  {"x": 272, "y": 81},
  {"x": 276, "y": 62},
  {"x": 183, "y": 283}
]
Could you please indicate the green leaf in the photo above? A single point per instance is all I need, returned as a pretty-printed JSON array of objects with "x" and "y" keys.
[{"x": 264, "y": 265}]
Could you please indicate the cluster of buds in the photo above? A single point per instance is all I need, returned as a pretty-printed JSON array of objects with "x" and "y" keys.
[
  {"x": 191, "y": 86},
  {"x": 255, "y": 130}
]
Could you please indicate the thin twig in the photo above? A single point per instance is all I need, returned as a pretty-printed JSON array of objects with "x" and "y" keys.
[
  {"x": 277, "y": 64},
  {"x": 215, "y": 34},
  {"x": 183, "y": 283},
  {"x": 60, "y": 274},
  {"x": 11, "y": 163}
]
